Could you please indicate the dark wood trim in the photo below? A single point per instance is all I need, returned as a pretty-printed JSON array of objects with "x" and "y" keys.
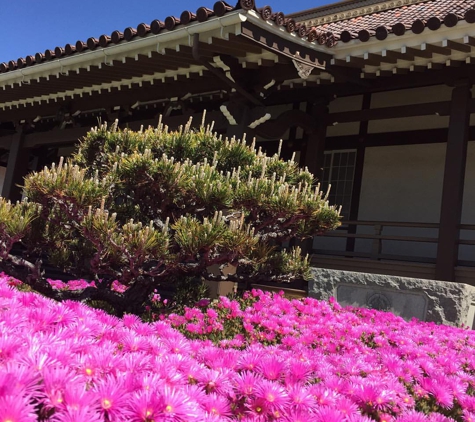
[
  {"x": 275, "y": 128},
  {"x": 17, "y": 167},
  {"x": 441, "y": 108},
  {"x": 282, "y": 46},
  {"x": 454, "y": 177},
  {"x": 316, "y": 138},
  {"x": 124, "y": 97},
  {"x": 66, "y": 136},
  {"x": 410, "y": 137},
  {"x": 379, "y": 84},
  {"x": 293, "y": 129},
  {"x": 72, "y": 135},
  {"x": 358, "y": 175}
]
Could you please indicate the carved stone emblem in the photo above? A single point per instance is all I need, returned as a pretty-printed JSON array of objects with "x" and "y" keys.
[{"x": 378, "y": 301}]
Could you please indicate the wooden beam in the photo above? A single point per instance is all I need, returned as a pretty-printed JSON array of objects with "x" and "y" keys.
[
  {"x": 72, "y": 135},
  {"x": 398, "y": 81},
  {"x": 276, "y": 128},
  {"x": 452, "y": 45},
  {"x": 454, "y": 63},
  {"x": 384, "y": 73},
  {"x": 400, "y": 71},
  {"x": 454, "y": 177},
  {"x": 414, "y": 52},
  {"x": 467, "y": 39},
  {"x": 358, "y": 61},
  {"x": 417, "y": 68},
  {"x": 372, "y": 59},
  {"x": 440, "y": 108},
  {"x": 276, "y": 44},
  {"x": 437, "y": 66},
  {"x": 435, "y": 49},
  {"x": 53, "y": 137},
  {"x": 344, "y": 63},
  {"x": 396, "y": 55}
]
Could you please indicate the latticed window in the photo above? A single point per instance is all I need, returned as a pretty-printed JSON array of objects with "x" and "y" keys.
[{"x": 339, "y": 171}]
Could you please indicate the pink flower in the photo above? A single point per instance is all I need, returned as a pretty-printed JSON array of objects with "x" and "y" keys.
[
  {"x": 216, "y": 405},
  {"x": 329, "y": 414},
  {"x": 16, "y": 409},
  {"x": 246, "y": 383},
  {"x": 176, "y": 406},
  {"x": 144, "y": 406},
  {"x": 113, "y": 396},
  {"x": 77, "y": 414},
  {"x": 272, "y": 395}
]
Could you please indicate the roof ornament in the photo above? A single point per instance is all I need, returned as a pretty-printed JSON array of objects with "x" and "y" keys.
[
  {"x": 304, "y": 70},
  {"x": 247, "y": 4}
]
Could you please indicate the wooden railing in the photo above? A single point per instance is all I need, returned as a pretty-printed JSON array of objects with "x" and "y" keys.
[{"x": 349, "y": 231}]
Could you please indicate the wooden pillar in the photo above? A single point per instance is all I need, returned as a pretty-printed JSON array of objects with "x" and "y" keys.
[
  {"x": 314, "y": 152},
  {"x": 17, "y": 167},
  {"x": 314, "y": 156},
  {"x": 454, "y": 176},
  {"x": 358, "y": 176}
]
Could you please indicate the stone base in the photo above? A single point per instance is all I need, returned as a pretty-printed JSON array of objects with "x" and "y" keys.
[
  {"x": 427, "y": 300},
  {"x": 219, "y": 288}
]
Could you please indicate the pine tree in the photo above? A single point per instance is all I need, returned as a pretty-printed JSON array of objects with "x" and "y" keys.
[{"x": 145, "y": 207}]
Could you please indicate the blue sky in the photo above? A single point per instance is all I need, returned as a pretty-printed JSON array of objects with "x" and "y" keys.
[{"x": 31, "y": 26}]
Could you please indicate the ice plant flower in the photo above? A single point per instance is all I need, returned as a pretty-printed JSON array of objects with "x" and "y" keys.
[{"x": 268, "y": 359}]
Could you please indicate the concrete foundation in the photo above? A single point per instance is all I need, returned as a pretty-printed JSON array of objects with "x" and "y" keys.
[{"x": 427, "y": 300}]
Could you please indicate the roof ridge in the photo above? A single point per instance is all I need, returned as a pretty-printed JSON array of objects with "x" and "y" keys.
[{"x": 347, "y": 9}]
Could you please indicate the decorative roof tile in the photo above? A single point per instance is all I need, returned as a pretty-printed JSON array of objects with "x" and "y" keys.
[
  {"x": 220, "y": 9},
  {"x": 394, "y": 16}
]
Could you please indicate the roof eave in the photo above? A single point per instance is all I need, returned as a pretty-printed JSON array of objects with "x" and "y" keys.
[{"x": 228, "y": 23}]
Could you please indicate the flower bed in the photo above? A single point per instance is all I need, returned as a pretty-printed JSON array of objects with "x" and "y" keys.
[{"x": 272, "y": 359}]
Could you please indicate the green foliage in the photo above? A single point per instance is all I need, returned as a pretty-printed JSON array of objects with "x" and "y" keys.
[
  {"x": 143, "y": 207},
  {"x": 15, "y": 223}
]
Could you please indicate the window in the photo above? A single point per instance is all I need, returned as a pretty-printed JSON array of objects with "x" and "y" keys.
[{"x": 339, "y": 171}]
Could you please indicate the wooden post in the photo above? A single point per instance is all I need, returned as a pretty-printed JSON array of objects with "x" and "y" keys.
[
  {"x": 358, "y": 176},
  {"x": 17, "y": 167},
  {"x": 314, "y": 152},
  {"x": 377, "y": 243},
  {"x": 316, "y": 140},
  {"x": 454, "y": 176}
]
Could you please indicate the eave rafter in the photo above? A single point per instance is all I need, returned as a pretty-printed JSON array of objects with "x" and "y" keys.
[
  {"x": 398, "y": 55},
  {"x": 166, "y": 58}
]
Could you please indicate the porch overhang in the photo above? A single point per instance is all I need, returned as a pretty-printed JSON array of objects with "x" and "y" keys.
[{"x": 157, "y": 67}]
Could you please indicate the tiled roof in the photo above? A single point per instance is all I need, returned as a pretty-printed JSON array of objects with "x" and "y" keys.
[
  {"x": 373, "y": 20},
  {"x": 330, "y": 9},
  {"x": 220, "y": 9},
  {"x": 419, "y": 16}
]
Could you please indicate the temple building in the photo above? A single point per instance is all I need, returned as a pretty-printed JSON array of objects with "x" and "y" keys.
[{"x": 373, "y": 96}]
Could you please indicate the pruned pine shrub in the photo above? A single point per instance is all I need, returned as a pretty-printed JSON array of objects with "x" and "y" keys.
[{"x": 145, "y": 207}]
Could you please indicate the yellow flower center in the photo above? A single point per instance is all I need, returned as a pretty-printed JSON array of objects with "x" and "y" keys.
[
  {"x": 88, "y": 371},
  {"x": 168, "y": 409},
  {"x": 106, "y": 404}
]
